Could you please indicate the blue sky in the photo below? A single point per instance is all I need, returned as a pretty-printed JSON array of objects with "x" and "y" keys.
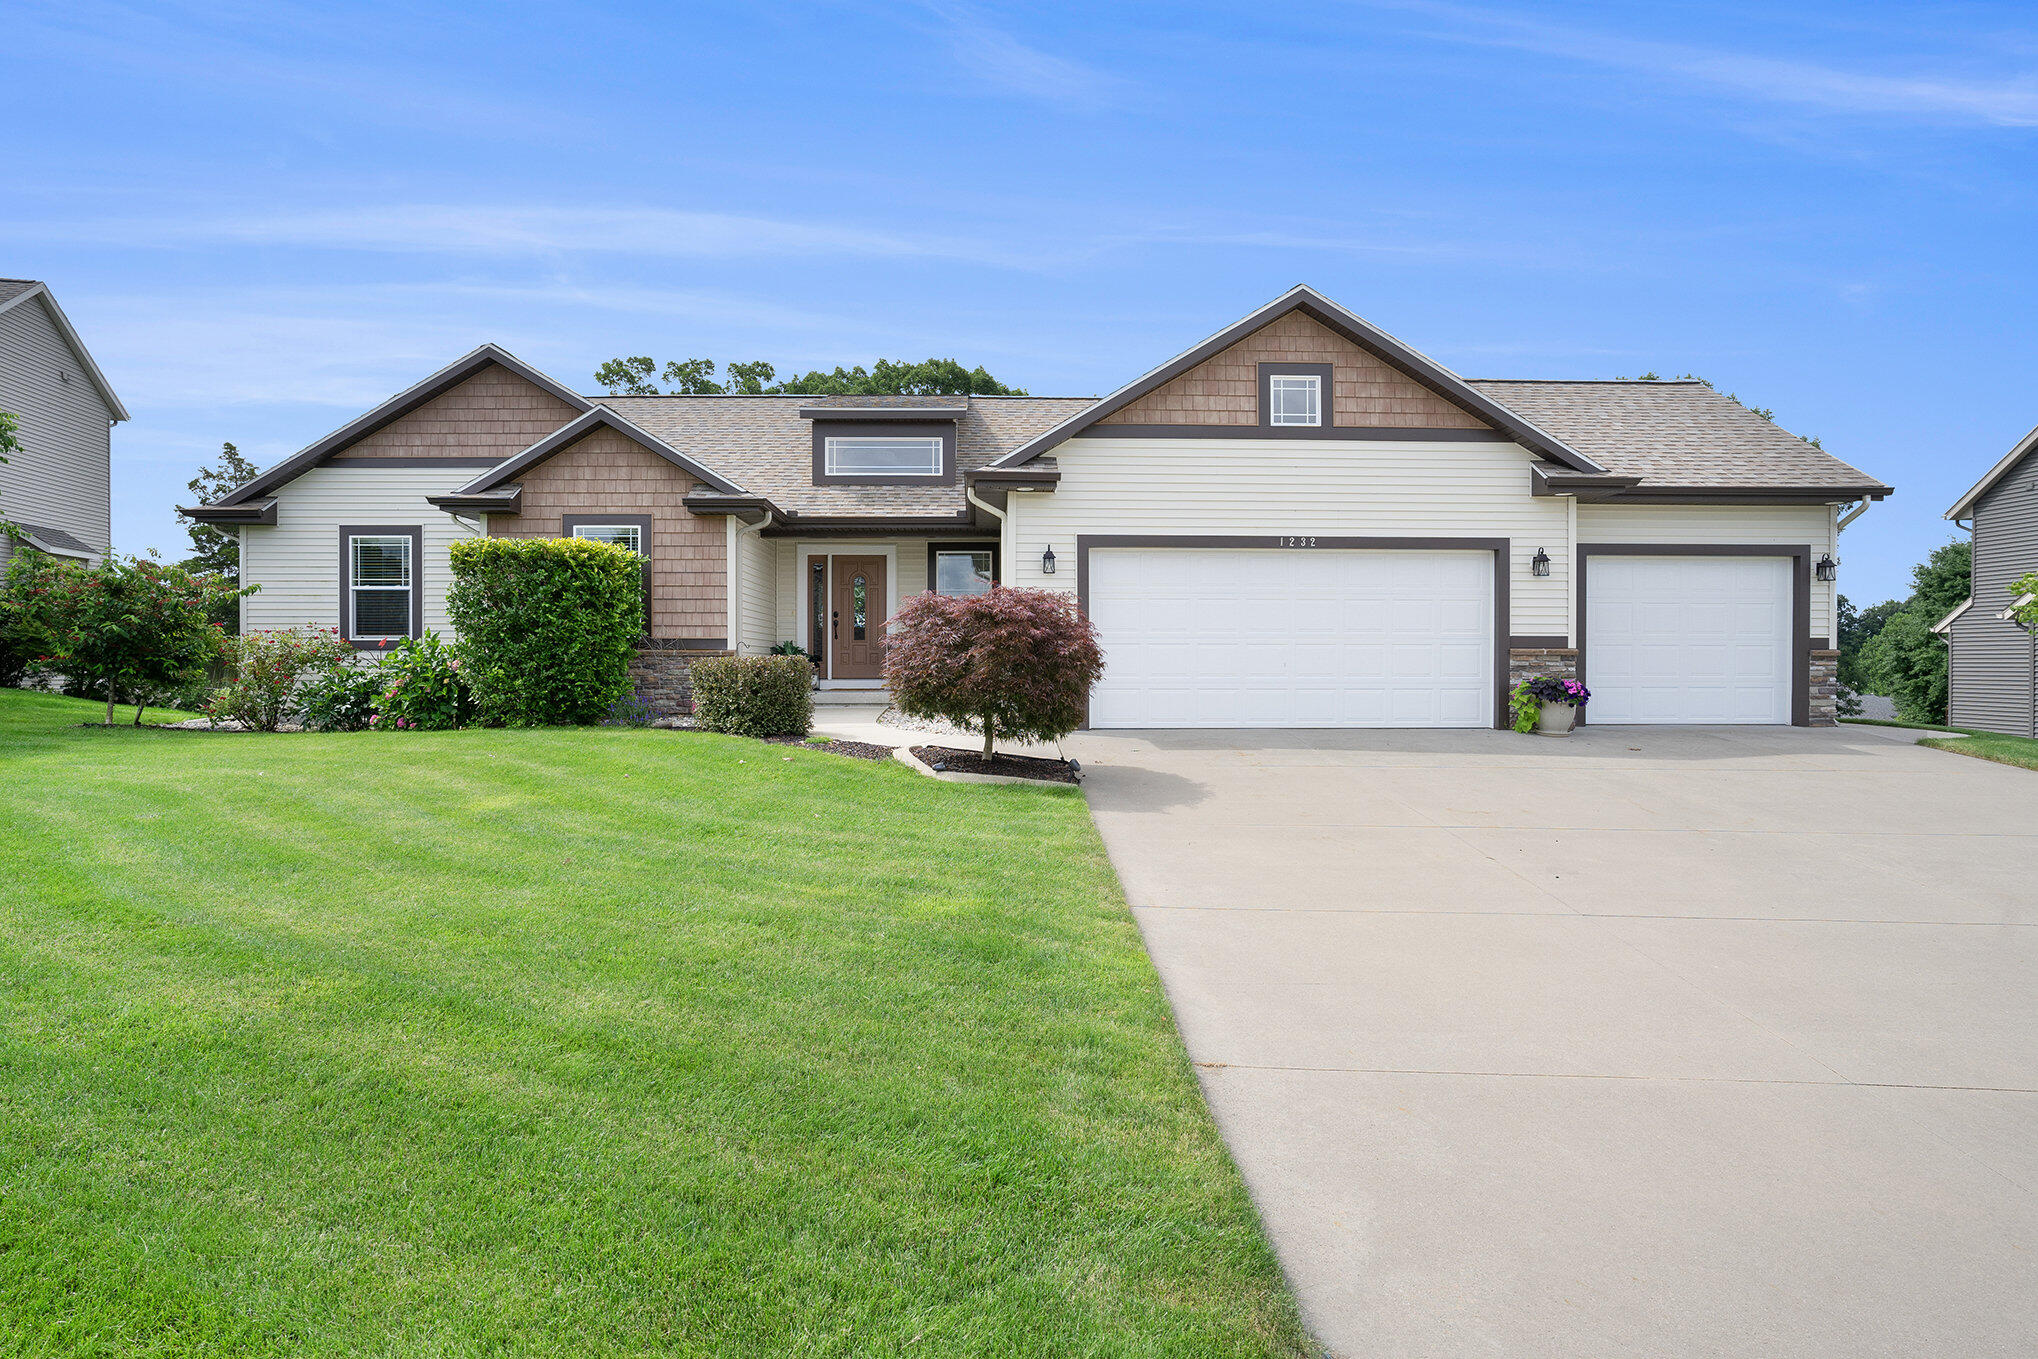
[{"x": 264, "y": 218}]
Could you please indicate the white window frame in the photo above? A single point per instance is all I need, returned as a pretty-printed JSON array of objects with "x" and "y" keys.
[
  {"x": 1279, "y": 419},
  {"x": 355, "y": 587},
  {"x": 636, "y": 532},
  {"x": 939, "y": 553},
  {"x": 933, "y": 442}
]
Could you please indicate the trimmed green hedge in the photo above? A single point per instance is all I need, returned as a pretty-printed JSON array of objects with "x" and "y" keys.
[
  {"x": 547, "y": 627},
  {"x": 753, "y": 695}
]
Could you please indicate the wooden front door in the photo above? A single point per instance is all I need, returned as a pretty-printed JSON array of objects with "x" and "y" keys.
[{"x": 856, "y": 618}]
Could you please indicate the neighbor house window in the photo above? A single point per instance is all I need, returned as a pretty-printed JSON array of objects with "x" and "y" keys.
[
  {"x": 1295, "y": 399},
  {"x": 965, "y": 573},
  {"x": 875, "y": 457},
  {"x": 622, "y": 535},
  {"x": 379, "y": 586}
]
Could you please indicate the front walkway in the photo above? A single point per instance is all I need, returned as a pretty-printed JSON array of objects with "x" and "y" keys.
[{"x": 1648, "y": 1042}]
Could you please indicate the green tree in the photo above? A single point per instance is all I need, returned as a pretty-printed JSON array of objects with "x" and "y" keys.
[
  {"x": 2024, "y": 601},
  {"x": 627, "y": 377},
  {"x": 1907, "y": 661},
  {"x": 1857, "y": 627},
  {"x": 751, "y": 379},
  {"x": 1942, "y": 581},
  {"x": 695, "y": 377},
  {"x": 10, "y": 442},
  {"x": 216, "y": 550}
]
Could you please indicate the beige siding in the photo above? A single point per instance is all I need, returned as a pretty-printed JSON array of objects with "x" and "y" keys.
[
  {"x": 1224, "y": 389},
  {"x": 607, "y": 473},
  {"x": 1298, "y": 487},
  {"x": 908, "y": 570},
  {"x": 756, "y": 593},
  {"x": 1793, "y": 525},
  {"x": 61, "y": 476},
  {"x": 297, "y": 562},
  {"x": 494, "y": 414}
]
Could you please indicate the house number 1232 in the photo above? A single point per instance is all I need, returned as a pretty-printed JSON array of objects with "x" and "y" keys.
[{"x": 1298, "y": 542}]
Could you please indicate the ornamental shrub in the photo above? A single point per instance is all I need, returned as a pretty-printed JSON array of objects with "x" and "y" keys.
[
  {"x": 266, "y": 668},
  {"x": 341, "y": 698},
  {"x": 753, "y": 695},
  {"x": 1012, "y": 663},
  {"x": 547, "y": 626},
  {"x": 422, "y": 689}
]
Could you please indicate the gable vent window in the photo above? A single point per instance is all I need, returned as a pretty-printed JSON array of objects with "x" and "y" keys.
[
  {"x": 620, "y": 535},
  {"x": 871, "y": 457},
  {"x": 380, "y": 578},
  {"x": 1295, "y": 400}
]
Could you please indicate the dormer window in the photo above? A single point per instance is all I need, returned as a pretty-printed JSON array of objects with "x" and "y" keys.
[
  {"x": 1294, "y": 399},
  {"x": 868, "y": 456}
]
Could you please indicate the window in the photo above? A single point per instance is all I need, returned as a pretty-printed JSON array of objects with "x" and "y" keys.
[
  {"x": 1294, "y": 399},
  {"x": 622, "y": 535},
  {"x": 965, "y": 573},
  {"x": 883, "y": 457},
  {"x": 379, "y": 578}
]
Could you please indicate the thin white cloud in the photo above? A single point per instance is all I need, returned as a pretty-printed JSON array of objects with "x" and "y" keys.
[
  {"x": 2010, "y": 101},
  {"x": 997, "y": 58}
]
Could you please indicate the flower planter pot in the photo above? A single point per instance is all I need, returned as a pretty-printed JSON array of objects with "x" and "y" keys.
[{"x": 1557, "y": 720}]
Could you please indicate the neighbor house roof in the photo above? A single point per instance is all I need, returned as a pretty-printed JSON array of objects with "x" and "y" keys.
[
  {"x": 766, "y": 443},
  {"x": 16, "y": 292},
  {"x": 55, "y": 541},
  {"x": 1678, "y": 435},
  {"x": 1965, "y": 505}
]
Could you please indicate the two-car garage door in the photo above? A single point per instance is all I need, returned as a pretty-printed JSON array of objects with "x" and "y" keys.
[{"x": 1249, "y": 637}]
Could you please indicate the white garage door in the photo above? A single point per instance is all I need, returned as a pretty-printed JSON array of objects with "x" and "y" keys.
[
  {"x": 1225, "y": 637},
  {"x": 1688, "y": 639}
]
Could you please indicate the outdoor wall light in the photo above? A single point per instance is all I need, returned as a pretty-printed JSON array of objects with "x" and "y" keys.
[
  {"x": 1047, "y": 562},
  {"x": 1827, "y": 569},
  {"x": 1539, "y": 565}
]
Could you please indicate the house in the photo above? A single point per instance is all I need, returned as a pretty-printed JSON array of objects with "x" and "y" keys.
[
  {"x": 1993, "y": 660},
  {"x": 58, "y": 489},
  {"x": 1299, "y": 522}
]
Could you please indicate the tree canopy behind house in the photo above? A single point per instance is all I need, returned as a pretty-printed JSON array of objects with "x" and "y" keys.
[
  {"x": 639, "y": 375},
  {"x": 1905, "y": 659},
  {"x": 215, "y": 550}
]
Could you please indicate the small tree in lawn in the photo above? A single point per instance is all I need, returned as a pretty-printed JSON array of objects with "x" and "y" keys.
[
  {"x": 135, "y": 625},
  {"x": 1011, "y": 663}
]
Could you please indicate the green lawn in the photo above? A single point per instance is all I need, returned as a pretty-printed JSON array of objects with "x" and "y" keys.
[
  {"x": 584, "y": 1042},
  {"x": 1988, "y": 745}
]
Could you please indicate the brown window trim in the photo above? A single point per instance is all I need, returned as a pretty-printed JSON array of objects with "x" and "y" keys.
[
  {"x": 1800, "y": 603},
  {"x": 990, "y": 545},
  {"x": 1501, "y": 548},
  {"x": 1325, "y": 401},
  {"x": 569, "y": 522},
  {"x": 416, "y": 534},
  {"x": 870, "y": 429}
]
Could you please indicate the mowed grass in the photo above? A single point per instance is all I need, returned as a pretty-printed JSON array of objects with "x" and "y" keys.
[
  {"x": 1988, "y": 745},
  {"x": 584, "y": 1042}
]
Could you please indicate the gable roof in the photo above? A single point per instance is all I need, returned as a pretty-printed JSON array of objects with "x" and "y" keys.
[
  {"x": 15, "y": 292},
  {"x": 576, "y": 429},
  {"x": 1678, "y": 435},
  {"x": 1965, "y": 505},
  {"x": 395, "y": 408},
  {"x": 1360, "y": 332}
]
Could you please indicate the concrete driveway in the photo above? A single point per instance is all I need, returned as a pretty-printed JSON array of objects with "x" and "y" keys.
[{"x": 1648, "y": 1042}]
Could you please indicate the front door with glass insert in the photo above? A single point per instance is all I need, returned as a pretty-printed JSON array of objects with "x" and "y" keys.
[{"x": 856, "y": 618}]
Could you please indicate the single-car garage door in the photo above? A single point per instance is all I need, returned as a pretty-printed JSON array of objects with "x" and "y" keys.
[
  {"x": 1251, "y": 637},
  {"x": 1688, "y": 639}
]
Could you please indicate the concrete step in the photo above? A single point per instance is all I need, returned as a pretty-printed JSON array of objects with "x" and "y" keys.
[{"x": 851, "y": 698}]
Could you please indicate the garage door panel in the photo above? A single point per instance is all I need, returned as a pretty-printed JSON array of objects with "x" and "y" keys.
[
  {"x": 1689, "y": 639},
  {"x": 1267, "y": 638}
]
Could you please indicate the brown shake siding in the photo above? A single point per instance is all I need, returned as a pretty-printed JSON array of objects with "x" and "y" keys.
[
  {"x": 1224, "y": 389},
  {"x": 494, "y": 414},
  {"x": 606, "y": 473}
]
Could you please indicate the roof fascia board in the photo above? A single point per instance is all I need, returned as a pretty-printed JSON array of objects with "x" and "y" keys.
[
  {"x": 262, "y": 512},
  {"x": 395, "y": 408},
  {"x": 1965, "y": 505},
  {"x": 1367, "y": 336},
  {"x": 583, "y": 425},
  {"x": 41, "y": 293},
  {"x": 1958, "y": 609},
  {"x": 901, "y": 414}
]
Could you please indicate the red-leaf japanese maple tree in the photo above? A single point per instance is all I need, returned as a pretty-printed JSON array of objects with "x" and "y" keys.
[{"x": 1011, "y": 663}]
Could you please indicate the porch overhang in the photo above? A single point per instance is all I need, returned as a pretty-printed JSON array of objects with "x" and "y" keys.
[
  {"x": 502, "y": 500},
  {"x": 262, "y": 512}
]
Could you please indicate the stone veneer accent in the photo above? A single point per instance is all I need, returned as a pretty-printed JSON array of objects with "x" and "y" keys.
[
  {"x": 1526, "y": 663},
  {"x": 1824, "y": 675},
  {"x": 658, "y": 673}
]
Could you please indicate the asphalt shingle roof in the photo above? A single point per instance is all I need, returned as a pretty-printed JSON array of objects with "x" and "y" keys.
[
  {"x": 1679, "y": 433},
  {"x": 762, "y": 444},
  {"x": 11, "y": 288}
]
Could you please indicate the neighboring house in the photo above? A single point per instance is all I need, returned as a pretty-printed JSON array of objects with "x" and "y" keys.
[
  {"x": 57, "y": 489},
  {"x": 1300, "y": 522},
  {"x": 1993, "y": 660}
]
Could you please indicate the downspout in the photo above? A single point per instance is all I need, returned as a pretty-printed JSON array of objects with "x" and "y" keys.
[
  {"x": 1860, "y": 508},
  {"x": 1005, "y": 562}
]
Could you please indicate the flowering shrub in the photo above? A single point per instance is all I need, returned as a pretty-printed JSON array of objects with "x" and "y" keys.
[
  {"x": 422, "y": 688},
  {"x": 131, "y": 625},
  {"x": 1527, "y": 699},
  {"x": 1006, "y": 663},
  {"x": 342, "y": 698},
  {"x": 629, "y": 711},
  {"x": 547, "y": 626},
  {"x": 267, "y": 666}
]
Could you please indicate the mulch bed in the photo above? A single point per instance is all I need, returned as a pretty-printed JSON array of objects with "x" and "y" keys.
[
  {"x": 855, "y": 750},
  {"x": 1011, "y": 766}
]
